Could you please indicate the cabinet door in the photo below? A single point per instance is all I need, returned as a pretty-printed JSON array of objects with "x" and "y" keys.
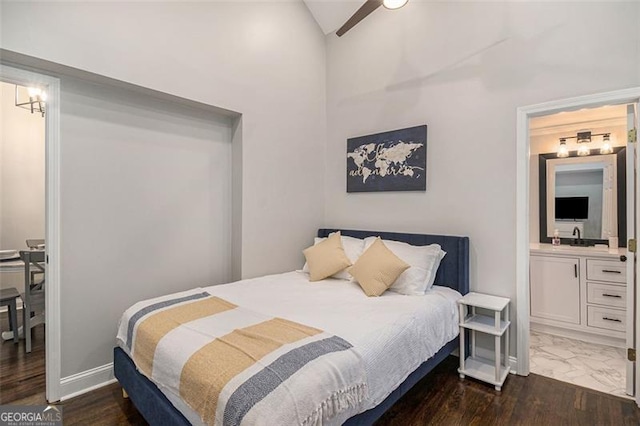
[{"x": 555, "y": 288}]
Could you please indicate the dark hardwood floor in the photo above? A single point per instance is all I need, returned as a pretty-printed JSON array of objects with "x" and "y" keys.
[
  {"x": 22, "y": 382},
  {"x": 442, "y": 398},
  {"x": 438, "y": 399},
  {"x": 21, "y": 374}
]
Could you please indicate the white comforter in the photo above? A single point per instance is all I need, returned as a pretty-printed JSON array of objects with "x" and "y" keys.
[{"x": 393, "y": 333}]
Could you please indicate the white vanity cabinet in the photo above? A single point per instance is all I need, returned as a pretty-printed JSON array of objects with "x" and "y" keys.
[{"x": 578, "y": 293}]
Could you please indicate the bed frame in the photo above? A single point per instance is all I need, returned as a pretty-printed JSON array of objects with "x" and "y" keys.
[{"x": 453, "y": 273}]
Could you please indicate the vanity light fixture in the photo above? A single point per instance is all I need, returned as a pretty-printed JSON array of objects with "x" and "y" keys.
[
  {"x": 583, "y": 139},
  {"x": 563, "y": 152},
  {"x": 35, "y": 103},
  {"x": 606, "y": 144}
]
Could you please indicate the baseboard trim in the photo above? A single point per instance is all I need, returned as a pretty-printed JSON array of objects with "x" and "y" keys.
[
  {"x": 513, "y": 363},
  {"x": 86, "y": 381},
  {"x": 579, "y": 335},
  {"x": 489, "y": 354}
]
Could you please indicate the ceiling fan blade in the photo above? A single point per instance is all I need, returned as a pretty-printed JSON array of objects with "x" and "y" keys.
[{"x": 364, "y": 11}]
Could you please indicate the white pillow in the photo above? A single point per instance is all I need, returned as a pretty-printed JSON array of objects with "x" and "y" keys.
[
  {"x": 436, "y": 265},
  {"x": 353, "y": 248},
  {"x": 424, "y": 261}
]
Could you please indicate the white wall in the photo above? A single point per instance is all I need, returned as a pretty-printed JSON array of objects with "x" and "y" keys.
[
  {"x": 146, "y": 210},
  {"x": 21, "y": 172},
  {"x": 264, "y": 60},
  {"x": 463, "y": 69}
]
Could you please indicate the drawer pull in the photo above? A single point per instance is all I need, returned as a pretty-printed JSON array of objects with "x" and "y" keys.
[
  {"x": 611, "y": 319},
  {"x": 612, "y": 295},
  {"x": 609, "y": 271}
]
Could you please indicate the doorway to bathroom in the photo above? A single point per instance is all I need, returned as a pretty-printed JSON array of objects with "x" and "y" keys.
[
  {"x": 578, "y": 200},
  {"x": 576, "y": 211}
]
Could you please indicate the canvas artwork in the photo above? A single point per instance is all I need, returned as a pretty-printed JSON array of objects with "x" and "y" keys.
[{"x": 389, "y": 161}]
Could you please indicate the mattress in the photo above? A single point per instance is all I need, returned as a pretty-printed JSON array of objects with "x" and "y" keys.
[{"x": 393, "y": 333}]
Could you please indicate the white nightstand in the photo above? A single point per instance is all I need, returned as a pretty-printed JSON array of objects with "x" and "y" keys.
[{"x": 487, "y": 370}]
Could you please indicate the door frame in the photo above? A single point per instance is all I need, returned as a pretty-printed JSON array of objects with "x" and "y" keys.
[
  {"x": 522, "y": 201},
  {"x": 52, "y": 222},
  {"x": 633, "y": 190}
]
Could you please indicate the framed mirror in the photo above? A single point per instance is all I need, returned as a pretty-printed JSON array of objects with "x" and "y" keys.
[{"x": 583, "y": 195}]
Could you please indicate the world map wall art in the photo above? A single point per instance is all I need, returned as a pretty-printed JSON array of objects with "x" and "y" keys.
[{"x": 389, "y": 161}]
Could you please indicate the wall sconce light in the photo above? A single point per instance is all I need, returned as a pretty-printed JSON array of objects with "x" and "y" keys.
[
  {"x": 584, "y": 138},
  {"x": 36, "y": 99}
]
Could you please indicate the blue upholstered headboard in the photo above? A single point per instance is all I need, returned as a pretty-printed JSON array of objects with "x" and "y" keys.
[{"x": 454, "y": 269}]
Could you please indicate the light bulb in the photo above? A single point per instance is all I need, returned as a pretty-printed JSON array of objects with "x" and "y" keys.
[
  {"x": 43, "y": 96},
  {"x": 394, "y": 4},
  {"x": 563, "y": 152},
  {"x": 33, "y": 92},
  {"x": 606, "y": 145},
  {"x": 583, "y": 150},
  {"x": 606, "y": 149}
]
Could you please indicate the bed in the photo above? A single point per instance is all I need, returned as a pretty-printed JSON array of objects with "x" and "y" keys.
[{"x": 159, "y": 407}]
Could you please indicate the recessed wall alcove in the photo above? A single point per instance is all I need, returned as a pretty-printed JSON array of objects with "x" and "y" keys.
[{"x": 151, "y": 190}]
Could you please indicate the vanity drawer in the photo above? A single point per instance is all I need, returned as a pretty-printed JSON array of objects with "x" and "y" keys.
[
  {"x": 606, "y": 294},
  {"x": 607, "y": 270},
  {"x": 607, "y": 318}
]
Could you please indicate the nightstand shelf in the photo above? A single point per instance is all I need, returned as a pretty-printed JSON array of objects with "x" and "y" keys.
[
  {"x": 487, "y": 370},
  {"x": 485, "y": 324}
]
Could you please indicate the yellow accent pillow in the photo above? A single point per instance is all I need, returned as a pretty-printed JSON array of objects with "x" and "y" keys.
[
  {"x": 377, "y": 269},
  {"x": 326, "y": 258}
]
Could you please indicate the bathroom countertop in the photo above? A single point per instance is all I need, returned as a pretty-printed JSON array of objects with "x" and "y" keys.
[{"x": 606, "y": 252}]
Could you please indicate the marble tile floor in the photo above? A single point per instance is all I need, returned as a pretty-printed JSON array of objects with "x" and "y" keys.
[{"x": 598, "y": 367}]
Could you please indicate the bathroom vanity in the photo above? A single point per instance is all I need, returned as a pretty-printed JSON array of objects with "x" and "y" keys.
[{"x": 579, "y": 292}]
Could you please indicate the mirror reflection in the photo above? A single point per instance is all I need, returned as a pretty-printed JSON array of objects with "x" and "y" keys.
[
  {"x": 580, "y": 200},
  {"x": 580, "y": 196}
]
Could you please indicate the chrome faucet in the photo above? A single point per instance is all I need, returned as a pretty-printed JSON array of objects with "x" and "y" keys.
[{"x": 576, "y": 229}]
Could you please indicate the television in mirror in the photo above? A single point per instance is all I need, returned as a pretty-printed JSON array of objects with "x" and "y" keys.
[{"x": 572, "y": 208}]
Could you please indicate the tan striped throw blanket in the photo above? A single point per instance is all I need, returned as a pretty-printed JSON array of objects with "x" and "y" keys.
[{"x": 234, "y": 366}]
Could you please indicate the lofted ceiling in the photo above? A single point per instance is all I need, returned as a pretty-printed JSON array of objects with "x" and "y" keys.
[{"x": 331, "y": 14}]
